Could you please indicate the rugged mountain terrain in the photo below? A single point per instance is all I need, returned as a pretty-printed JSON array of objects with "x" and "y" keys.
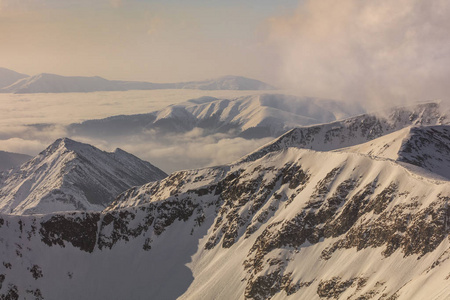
[
  {"x": 12, "y": 82},
  {"x": 9, "y": 160},
  {"x": 256, "y": 116},
  {"x": 290, "y": 224},
  {"x": 427, "y": 147},
  {"x": 357, "y": 130},
  {"x": 8, "y": 77},
  {"x": 69, "y": 175}
]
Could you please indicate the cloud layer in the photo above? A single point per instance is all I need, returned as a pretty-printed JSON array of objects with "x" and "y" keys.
[
  {"x": 372, "y": 51},
  {"x": 29, "y": 123}
]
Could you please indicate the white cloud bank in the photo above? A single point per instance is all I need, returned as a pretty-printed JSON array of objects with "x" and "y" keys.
[
  {"x": 29, "y": 123},
  {"x": 371, "y": 51}
]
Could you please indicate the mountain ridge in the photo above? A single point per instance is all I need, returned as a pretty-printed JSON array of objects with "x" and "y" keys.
[
  {"x": 52, "y": 83},
  {"x": 356, "y": 130},
  {"x": 278, "y": 226},
  {"x": 8, "y": 77},
  {"x": 255, "y": 116},
  {"x": 291, "y": 222},
  {"x": 69, "y": 175}
]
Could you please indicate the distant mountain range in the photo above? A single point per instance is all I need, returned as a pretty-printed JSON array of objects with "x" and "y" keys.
[
  {"x": 13, "y": 82},
  {"x": 250, "y": 117}
]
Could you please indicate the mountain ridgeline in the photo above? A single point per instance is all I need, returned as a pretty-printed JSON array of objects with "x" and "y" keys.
[
  {"x": 250, "y": 117},
  {"x": 69, "y": 175},
  {"x": 356, "y": 130},
  {"x": 355, "y": 209},
  {"x": 13, "y": 82}
]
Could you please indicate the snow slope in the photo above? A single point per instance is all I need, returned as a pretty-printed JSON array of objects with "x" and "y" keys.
[
  {"x": 12, "y": 82},
  {"x": 357, "y": 130},
  {"x": 290, "y": 223},
  {"x": 293, "y": 224},
  {"x": 254, "y": 116},
  {"x": 9, "y": 160},
  {"x": 427, "y": 147},
  {"x": 69, "y": 175},
  {"x": 8, "y": 77}
]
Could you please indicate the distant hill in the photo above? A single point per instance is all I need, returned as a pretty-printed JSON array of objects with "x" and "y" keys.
[
  {"x": 12, "y": 82},
  {"x": 51, "y": 83},
  {"x": 8, "y": 77}
]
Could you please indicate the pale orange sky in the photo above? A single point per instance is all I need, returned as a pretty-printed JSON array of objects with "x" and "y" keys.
[{"x": 155, "y": 41}]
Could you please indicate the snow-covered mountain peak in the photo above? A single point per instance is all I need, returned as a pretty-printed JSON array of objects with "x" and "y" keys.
[
  {"x": 69, "y": 175},
  {"x": 66, "y": 144}
]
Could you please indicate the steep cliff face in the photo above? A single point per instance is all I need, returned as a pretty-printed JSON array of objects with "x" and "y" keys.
[
  {"x": 294, "y": 224},
  {"x": 69, "y": 175}
]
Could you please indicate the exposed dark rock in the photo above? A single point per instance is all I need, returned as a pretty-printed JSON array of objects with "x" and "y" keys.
[
  {"x": 11, "y": 294},
  {"x": 36, "y": 271},
  {"x": 78, "y": 229},
  {"x": 333, "y": 288},
  {"x": 36, "y": 294}
]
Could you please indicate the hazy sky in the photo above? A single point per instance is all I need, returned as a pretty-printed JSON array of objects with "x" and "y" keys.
[
  {"x": 158, "y": 41},
  {"x": 380, "y": 51}
]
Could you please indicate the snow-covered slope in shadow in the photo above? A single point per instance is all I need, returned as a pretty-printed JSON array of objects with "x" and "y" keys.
[{"x": 10, "y": 160}]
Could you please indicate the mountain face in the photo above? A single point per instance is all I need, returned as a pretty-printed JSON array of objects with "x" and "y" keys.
[
  {"x": 69, "y": 175},
  {"x": 356, "y": 130},
  {"x": 291, "y": 224},
  {"x": 12, "y": 82},
  {"x": 256, "y": 116},
  {"x": 8, "y": 77},
  {"x": 9, "y": 160}
]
